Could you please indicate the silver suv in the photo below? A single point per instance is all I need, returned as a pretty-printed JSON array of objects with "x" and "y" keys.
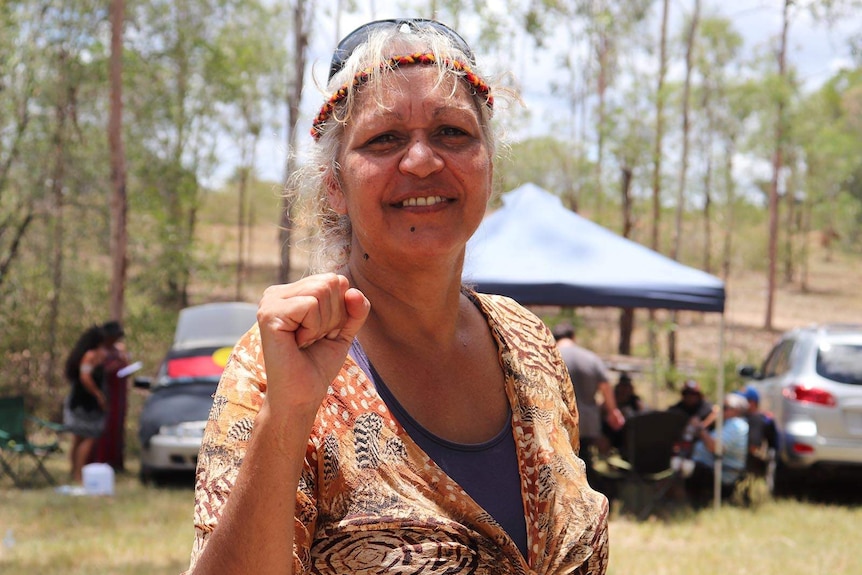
[{"x": 811, "y": 384}]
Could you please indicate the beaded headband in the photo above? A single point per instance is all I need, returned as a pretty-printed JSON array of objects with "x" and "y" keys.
[{"x": 479, "y": 86}]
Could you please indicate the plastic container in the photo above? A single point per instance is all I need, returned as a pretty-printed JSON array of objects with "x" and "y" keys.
[{"x": 98, "y": 479}]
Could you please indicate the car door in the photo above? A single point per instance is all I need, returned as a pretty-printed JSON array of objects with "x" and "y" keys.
[{"x": 774, "y": 372}]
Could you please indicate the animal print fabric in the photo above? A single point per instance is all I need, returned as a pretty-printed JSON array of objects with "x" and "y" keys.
[{"x": 370, "y": 501}]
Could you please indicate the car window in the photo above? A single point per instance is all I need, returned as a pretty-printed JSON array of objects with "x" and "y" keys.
[
  {"x": 778, "y": 361},
  {"x": 841, "y": 363}
]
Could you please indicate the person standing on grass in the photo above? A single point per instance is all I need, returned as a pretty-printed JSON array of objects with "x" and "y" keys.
[
  {"x": 110, "y": 446},
  {"x": 85, "y": 405},
  {"x": 381, "y": 416},
  {"x": 590, "y": 379}
]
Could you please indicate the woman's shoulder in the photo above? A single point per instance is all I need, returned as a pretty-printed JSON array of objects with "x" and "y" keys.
[
  {"x": 504, "y": 307},
  {"x": 93, "y": 356},
  {"x": 515, "y": 326}
]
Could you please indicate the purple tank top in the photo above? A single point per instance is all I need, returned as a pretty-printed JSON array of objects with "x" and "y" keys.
[{"x": 488, "y": 471}]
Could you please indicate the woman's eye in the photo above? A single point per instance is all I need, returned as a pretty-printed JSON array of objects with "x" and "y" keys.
[
  {"x": 452, "y": 131},
  {"x": 381, "y": 139}
]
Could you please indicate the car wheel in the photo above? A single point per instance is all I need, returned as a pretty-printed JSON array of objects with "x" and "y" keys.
[
  {"x": 145, "y": 475},
  {"x": 780, "y": 479}
]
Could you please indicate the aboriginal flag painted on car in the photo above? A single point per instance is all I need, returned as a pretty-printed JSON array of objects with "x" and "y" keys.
[{"x": 197, "y": 362}]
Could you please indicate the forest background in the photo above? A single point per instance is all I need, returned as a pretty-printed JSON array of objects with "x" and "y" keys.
[{"x": 131, "y": 183}]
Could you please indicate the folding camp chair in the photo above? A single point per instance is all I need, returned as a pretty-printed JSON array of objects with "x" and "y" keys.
[
  {"x": 645, "y": 473},
  {"x": 16, "y": 447}
]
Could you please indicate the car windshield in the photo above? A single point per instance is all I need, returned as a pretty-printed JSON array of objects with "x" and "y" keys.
[
  {"x": 214, "y": 324},
  {"x": 841, "y": 363}
]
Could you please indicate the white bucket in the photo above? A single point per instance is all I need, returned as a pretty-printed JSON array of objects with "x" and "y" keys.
[{"x": 98, "y": 479}]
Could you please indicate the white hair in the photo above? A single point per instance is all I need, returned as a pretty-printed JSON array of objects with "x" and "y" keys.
[
  {"x": 307, "y": 188},
  {"x": 736, "y": 401}
]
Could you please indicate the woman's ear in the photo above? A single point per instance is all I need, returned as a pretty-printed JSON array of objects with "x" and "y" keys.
[{"x": 335, "y": 195}]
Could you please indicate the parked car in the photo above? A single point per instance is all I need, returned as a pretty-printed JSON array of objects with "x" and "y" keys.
[
  {"x": 811, "y": 383},
  {"x": 174, "y": 415}
]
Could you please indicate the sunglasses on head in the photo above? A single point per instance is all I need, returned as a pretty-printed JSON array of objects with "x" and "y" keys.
[{"x": 349, "y": 43}]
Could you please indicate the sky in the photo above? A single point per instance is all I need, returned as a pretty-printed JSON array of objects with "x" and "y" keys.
[{"x": 816, "y": 50}]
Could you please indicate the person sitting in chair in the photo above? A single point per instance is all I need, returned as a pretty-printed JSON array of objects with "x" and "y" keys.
[{"x": 734, "y": 441}]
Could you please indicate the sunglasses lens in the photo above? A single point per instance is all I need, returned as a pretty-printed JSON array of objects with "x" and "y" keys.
[{"x": 351, "y": 41}]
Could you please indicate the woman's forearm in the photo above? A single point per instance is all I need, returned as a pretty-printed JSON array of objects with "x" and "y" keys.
[{"x": 258, "y": 517}]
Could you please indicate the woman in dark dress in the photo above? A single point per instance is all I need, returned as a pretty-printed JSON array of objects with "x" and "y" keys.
[{"x": 110, "y": 446}]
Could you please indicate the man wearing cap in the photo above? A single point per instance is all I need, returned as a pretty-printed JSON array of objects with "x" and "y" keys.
[
  {"x": 695, "y": 405},
  {"x": 761, "y": 427}
]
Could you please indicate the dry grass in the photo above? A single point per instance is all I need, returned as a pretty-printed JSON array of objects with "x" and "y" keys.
[
  {"x": 145, "y": 530},
  {"x": 140, "y": 530},
  {"x": 778, "y": 538}
]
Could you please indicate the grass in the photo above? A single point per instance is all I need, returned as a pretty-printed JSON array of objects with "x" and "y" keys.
[
  {"x": 148, "y": 530},
  {"x": 140, "y": 530},
  {"x": 784, "y": 537}
]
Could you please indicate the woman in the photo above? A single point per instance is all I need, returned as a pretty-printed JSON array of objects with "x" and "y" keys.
[
  {"x": 385, "y": 418},
  {"x": 110, "y": 447},
  {"x": 85, "y": 405}
]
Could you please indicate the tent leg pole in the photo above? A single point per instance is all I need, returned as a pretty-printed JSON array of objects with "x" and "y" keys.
[{"x": 720, "y": 423}]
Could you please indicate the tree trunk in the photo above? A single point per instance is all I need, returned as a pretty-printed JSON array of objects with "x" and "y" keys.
[
  {"x": 805, "y": 251},
  {"x": 241, "y": 229},
  {"x": 659, "y": 130},
  {"x": 730, "y": 199},
  {"x": 790, "y": 227},
  {"x": 680, "y": 195},
  {"x": 707, "y": 215},
  {"x": 776, "y": 172},
  {"x": 627, "y": 315},
  {"x": 119, "y": 203},
  {"x": 301, "y": 21},
  {"x": 602, "y": 88},
  {"x": 686, "y": 108},
  {"x": 58, "y": 176}
]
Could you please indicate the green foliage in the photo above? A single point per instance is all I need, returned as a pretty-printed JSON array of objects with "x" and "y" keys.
[{"x": 547, "y": 162}]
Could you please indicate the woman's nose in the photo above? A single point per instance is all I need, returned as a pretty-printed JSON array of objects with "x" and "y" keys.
[{"x": 420, "y": 159}]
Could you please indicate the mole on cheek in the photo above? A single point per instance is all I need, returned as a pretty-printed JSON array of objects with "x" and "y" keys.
[{"x": 412, "y": 228}]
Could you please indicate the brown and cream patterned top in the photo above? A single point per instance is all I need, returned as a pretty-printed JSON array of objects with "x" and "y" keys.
[{"x": 371, "y": 501}]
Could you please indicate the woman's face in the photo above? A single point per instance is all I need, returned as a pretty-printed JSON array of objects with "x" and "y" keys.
[{"x": 415, "y": 173}]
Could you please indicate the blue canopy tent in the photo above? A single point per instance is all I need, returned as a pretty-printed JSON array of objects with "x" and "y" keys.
[{"x": 538, "y": 252}]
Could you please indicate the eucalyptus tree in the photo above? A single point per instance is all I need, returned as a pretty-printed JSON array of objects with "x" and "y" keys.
[
  {"x": 630, "y": 144},
  {"x": 690, "y": 35},
  {"x": 717, "y": 56},
  {"x": 251, "y": 68},
  {"x": 597, "y": 34},
  {"x": 830, "y": 133},
  {"x": 176, "y": 123},
  {"x": 777, "y": 160},
  {"x": 119, "y": 202},
  {"x": 658, "y": 140},
  {"x": 51, "y": 138},
  {"x": 739, "y": 101},
  {"x": 302, "y": 18},
  {"x": 546, "y": 161},
  {"x": 18, "y": 85}
]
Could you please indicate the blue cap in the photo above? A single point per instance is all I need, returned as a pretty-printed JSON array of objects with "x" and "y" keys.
[{"x": 749, "y": 393}]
